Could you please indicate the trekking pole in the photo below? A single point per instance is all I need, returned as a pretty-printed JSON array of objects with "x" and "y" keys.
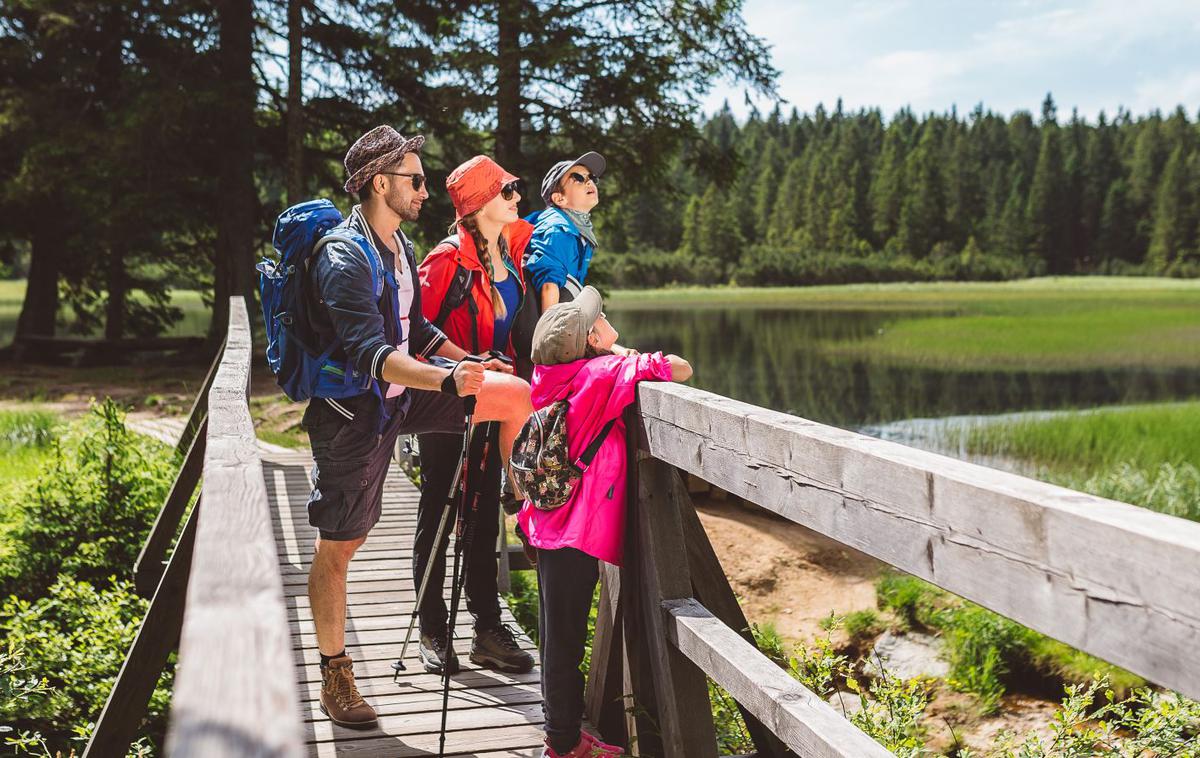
[
  {"x": 459, "y": 478},
  {"x": 464, "y": 529}
]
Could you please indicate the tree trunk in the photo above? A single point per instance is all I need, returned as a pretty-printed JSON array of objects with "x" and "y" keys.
[
  {"x": 295, "y": 103},
  {"x": 40, "y": 308},
  {"x": 236, "y": 200},
  {"x": 508, "y": 85}
]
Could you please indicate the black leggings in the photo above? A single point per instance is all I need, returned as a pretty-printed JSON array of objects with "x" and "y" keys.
[
  {"x": 566, "y": 582},
  {"x": 439, "y": 457}
]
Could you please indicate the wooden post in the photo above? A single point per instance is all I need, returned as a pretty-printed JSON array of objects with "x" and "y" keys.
[
  {"x": 684, "y": 712},
  {"x": 148, "y": 569},
  {"x": 156, "y": 639},
  {"x": 710, "y": 586},
  {"x": 604, "y": 698}
]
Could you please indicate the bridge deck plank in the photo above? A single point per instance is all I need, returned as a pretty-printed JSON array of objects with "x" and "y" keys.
[{"x": 491, "y": 714}]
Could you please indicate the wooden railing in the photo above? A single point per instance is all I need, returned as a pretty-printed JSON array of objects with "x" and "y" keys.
[
  {"x": 1114, "y": 580},
  {"x": 219, "y": 597},
  {"x": 1111, "y": 579}
]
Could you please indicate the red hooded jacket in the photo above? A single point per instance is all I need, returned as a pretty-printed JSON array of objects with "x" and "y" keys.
[{"x": 471, "y": 332}]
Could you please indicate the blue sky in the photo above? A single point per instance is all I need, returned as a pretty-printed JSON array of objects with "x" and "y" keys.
[{"x": 934, "y": 54}]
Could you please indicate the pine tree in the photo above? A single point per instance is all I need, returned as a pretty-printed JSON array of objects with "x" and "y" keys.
[
  {"x": 1047, "y": 206},
  {"x": 923, "y": 212},
  {"x": 1116, "y": 239},
  {"x": 1172, "y": 214}
]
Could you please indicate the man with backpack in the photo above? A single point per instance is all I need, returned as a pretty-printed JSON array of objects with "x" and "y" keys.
[{"x": 377, "y": 334}]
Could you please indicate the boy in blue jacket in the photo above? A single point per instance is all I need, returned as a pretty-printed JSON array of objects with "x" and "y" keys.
[{"x": 563, "y": 239}]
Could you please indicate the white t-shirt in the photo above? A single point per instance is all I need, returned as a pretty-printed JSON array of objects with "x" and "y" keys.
[{"x": 405, "y": 292}]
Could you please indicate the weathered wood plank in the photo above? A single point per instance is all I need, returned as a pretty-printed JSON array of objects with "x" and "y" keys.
[
  {"x": 795, "y": 714},
  {"x": 684, "y": 713},
  {"x": 235, "y": 607},
  {"x": 1095, "y": 574}
]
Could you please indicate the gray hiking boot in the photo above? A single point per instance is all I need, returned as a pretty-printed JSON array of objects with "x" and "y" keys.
[
  {"x": 498, "y": 649},
  {"x": 432, "y": 652}
]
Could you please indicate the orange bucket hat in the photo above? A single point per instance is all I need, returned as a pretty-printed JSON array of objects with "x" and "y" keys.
[{"x": 474, "y": 183}]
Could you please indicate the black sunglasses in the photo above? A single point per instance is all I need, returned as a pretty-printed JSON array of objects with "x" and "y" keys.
[
  {"x": 584, "y": 179},
  {"x": 507, "y": 190},
  {"x": 418, "y": 180}
]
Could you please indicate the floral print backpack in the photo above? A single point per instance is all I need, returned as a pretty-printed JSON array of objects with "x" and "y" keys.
[{"x": 540, "y": 462}]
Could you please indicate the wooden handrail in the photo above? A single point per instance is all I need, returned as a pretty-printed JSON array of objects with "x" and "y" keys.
[
  {"x": 1117, "y": 581},
  {"x": 235, "y": 687}
]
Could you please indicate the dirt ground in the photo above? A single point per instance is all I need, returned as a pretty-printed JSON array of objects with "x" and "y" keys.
[{"x": 785, "y": 573}]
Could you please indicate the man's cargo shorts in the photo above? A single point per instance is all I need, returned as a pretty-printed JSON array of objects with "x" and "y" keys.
[{"x": 352, "y": 452}]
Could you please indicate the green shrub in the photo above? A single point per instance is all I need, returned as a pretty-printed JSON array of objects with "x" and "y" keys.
[
  {"x": 523, "y": 601},
  {"x": 861, "y": 625},
  {"x": 88, "y": 512},
  {"x": 76, "y": 638},
  {"x": 1145, "y": 724},
  {"x": 913, "y": 601},
  {"x": 981, "y": 647}
]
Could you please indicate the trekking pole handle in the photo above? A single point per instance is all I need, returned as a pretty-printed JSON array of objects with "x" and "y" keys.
[{"x": 470, "y": 400}]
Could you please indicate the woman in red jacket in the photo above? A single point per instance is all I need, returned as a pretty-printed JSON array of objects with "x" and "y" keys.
[{"x": 472, "y": 289}]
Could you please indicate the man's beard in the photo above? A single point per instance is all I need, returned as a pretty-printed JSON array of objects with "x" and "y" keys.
[{"x": 406, "y": 211}]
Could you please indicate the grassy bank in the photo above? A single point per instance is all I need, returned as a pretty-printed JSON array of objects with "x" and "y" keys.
[{"x": 196, "y": 314}]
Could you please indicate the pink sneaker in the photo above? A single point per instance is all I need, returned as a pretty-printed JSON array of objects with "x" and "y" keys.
[{"x": 588, "y": 747}]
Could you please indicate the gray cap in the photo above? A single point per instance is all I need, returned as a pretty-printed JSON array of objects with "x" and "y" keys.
[
  {"x": 561, "y": 333},
  {"x": 592, "y": 161}
]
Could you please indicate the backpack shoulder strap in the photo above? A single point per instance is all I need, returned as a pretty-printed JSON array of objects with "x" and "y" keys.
[
  {"x": 459, "y": 289},
  {"x": 365, "y": 248},
  {"x": 589, "y": 454}
]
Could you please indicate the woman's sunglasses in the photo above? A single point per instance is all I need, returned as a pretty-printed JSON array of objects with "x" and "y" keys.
[
  {"x": 584, "y": 178},
  {"x": 513, "y": 187},
  {"x": 418, "y": 180}
]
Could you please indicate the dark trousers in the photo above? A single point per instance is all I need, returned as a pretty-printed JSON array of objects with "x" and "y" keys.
[
  {"x": 566, "y": 582},
  {"x": 439, "y": 457}
]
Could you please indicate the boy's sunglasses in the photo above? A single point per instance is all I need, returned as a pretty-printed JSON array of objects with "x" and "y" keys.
[
  {"x": 509, "y": 189},
  {"x": 584, "y": 178},
  {"x": 418, "y": 180}
]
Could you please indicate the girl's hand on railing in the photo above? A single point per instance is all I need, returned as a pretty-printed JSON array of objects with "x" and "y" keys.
[{"x": 681, "y": 370}]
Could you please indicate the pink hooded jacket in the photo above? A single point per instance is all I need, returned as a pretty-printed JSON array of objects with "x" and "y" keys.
[{"x": 598, "y": 390}]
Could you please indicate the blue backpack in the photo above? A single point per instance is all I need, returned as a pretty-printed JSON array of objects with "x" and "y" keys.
[{"x": 302, "y": 368}]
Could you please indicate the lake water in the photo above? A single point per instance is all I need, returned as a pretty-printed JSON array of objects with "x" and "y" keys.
[{"x": 778, "y": 358}]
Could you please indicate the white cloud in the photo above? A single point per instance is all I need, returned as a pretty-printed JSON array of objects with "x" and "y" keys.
[{"x": 936, "y": 53}]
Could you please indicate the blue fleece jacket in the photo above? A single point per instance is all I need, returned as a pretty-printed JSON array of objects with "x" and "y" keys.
[{"x": 556, "y": 250}]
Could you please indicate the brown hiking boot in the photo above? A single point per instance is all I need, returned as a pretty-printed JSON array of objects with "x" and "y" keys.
[{"x": 340, "y": 700}]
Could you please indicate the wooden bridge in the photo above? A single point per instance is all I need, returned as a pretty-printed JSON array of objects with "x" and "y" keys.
[{"x": 1114, "y": 580}]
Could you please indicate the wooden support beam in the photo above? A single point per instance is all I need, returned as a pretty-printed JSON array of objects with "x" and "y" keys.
[
  {"x": 1111, "y": 579},
  {"x": 235, "y": 684},
  {"x": 684, "y": 713},
  {"x": 157, "y": 637},
  {"x": 604, "y": 697},
  {"x": 710, "y": 586},
  {"x": 148, "y": 569},
  {"x": 798, "y": 716}
]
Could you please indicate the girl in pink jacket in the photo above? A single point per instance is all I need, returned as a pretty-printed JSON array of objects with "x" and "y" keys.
[{"x": 573, "y": 361}]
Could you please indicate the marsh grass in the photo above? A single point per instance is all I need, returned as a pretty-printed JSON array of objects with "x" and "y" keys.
[{"x": 1099, "y": 441}]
